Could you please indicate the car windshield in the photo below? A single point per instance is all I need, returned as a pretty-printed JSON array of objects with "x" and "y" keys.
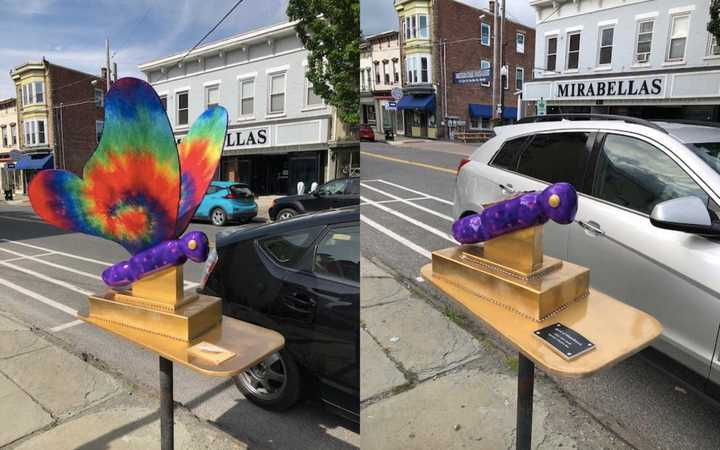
[{"x": 709, "y": 152}]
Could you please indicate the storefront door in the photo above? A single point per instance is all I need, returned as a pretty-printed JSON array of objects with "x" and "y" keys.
[
  {"x": 423, "y": 123},
  {"x": 305, "y": 169}
]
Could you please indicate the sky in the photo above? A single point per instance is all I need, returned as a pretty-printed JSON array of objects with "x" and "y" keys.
[
  {"x": 379, "y": 15},
  {"x": 72, "y": 33}
]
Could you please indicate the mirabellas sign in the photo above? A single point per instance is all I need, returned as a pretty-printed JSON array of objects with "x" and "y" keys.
[{"x": 599, "y": 88}]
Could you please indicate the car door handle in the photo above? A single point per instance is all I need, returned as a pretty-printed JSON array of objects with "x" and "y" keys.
[
  {"x": 507, "y": 188},
  {"x": 592, "y": 228},
  {"x": 301, "y": 302}
]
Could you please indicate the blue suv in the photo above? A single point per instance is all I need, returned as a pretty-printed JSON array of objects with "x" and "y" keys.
[{"x": 225, "y": 201}]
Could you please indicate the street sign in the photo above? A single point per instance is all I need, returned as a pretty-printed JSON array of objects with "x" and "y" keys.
[
  {"x": 541, "y": 107},
  {"x": 10, "y": 165},
  {"x": 472, "y": 76},
  {"x": 391, "y": 106},
  {"x": 396, "y": 93}
]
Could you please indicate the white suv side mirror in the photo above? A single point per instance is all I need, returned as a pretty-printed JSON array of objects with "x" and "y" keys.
[{"x": 686, "y": 214}]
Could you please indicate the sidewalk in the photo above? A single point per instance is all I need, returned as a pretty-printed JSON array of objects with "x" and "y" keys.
[
  {"x": 51, "y": 399},
  {"x": 426, "y": 383},
  {"x": 457, "y": 148}
]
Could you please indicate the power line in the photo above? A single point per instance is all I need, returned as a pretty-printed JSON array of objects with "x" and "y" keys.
[
  {"x": 129, "y": 34},
  {"x": 211, "y": 30}
]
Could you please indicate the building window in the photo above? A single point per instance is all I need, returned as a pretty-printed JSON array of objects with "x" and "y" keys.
[
  {"x": 678, "y": 37},
  {"x": 573, "y": 51},
  {"x": 423, "y": 21},
  {"x": 311, "y": 98},
  {"x": 519, "y": 77},
  {"x": 396, "y": 74},
  {"x": 713, "y": 47},
  {"x": 551, "y": 54},
  {"x": 212, "y": 95},
  {"x": 407, "y": 28},
  {"x": 413, "y": 22},
  {"x": 99, "y": 126},
  {"x": 369, "y": 78},
  {"x": 163, "y": 102},
  {"x": 99, "y": 98},
  {"x": 4, "y": 136},
  {"x": 39, "y": 91},
  {"x": 644, "y": 41},
  {"x": 34, "y": 131},
  {"x": 13, "y": 134},
  {"x": 485, "y": 64},
  {"x": 181, "y": 100},
  {"x": 606, "y": 45},
  {"x": 418, "y": 69},
  {"x": 485, "y": 33},
  {"x": 520, "y": 42},
  {"x": 277, "y": 93},
  {"x": 377, "y": 72},
  {"x": 386, "y": 74},
  {"x": 24, "y": 89},
  {"x": 247, "y": 97}
]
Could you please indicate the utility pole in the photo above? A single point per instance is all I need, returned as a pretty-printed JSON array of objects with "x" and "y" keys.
[
  {"x": 495, "y": 70},
  {"x": 107, "y": 65},
  {"x": 502, "y": 61}
]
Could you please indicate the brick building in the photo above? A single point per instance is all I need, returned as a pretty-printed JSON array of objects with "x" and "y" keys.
[
  {"x": 444, "y": 46},
  {"x": 60, "y": 113}
]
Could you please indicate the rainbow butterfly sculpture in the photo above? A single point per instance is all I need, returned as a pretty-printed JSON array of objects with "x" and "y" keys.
[{"x": 139, "y": 188}]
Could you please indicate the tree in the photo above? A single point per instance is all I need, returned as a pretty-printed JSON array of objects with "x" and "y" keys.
[
  {"x": 714, "y": 25},
  {"x": 330, "y": 31}
]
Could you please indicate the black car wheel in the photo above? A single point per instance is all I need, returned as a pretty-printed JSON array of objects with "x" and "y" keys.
[
  {"x": 273, "y": 384},
  {"x": 286, "y": 213},
  {"x": 218, "y": 217}
]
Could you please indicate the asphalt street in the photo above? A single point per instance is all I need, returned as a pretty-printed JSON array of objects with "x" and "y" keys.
[
  {"x": 406, "y": 193},
  {"x": 46, "y": 275}
]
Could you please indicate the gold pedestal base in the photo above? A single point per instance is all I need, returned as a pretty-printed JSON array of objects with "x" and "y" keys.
[
  {"x": 159, "y": 306},
  {"x": 512, "y": 271}
]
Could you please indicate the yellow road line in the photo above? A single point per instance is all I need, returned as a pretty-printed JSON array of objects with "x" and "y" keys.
[{"x": 412, "y": 163}]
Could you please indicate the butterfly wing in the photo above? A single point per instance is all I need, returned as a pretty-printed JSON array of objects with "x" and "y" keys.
[
  {"x": 130, "y": 188},
  {"x": 199, "y": 154}
]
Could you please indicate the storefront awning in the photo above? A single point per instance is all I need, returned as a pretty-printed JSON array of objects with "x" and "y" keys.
[
  {"x": 426, "y": 102},
  {"x": 28, "y": 163},
  {"x": 480, "y": 111},
  {"x": 509, "y": 112}
]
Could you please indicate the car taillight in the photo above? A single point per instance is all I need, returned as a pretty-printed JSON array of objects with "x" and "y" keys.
[
  {"x": 460, "y": 166},
  {"x": 210, "y": 263},
  {"x": 232, "y": 195}
]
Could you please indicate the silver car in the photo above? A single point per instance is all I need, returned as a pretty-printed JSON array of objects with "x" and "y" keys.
[{"x": 647, "y": 224}]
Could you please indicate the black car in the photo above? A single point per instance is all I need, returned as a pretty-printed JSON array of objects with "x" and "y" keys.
[
  {"x": 301, "y": 278},
  {"x": 333, "y": 194}
]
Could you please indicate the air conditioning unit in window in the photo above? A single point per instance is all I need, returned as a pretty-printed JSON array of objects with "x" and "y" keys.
[{"x": 643, "y": 57}]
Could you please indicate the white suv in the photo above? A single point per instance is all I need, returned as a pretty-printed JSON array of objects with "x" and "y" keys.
[{"x": 622, "y": 168}]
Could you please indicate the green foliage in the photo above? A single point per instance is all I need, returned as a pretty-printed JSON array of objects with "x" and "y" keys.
[
  {"x": 330, "y": 31},
  {"x": 714, "y": 25}
]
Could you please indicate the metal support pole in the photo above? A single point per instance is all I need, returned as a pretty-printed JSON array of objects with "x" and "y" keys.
[
  {"x": 167, "y": 406},
  {"x": 526, "y": 381}
]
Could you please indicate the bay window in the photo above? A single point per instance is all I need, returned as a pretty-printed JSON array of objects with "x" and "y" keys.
[
  {"x": 416, "y": 26},
  {"x": 34, "y": 132},
  {"x": 418, "y": 69}
]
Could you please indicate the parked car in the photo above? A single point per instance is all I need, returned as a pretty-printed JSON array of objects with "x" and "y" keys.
[
  {"x": 367, "y": 133},
  {"x": 333, "y": 194},
  {"x": 227, "y": 201},
  {"x": 647, "y": 223},
  {"x": 301, "y": 278}
]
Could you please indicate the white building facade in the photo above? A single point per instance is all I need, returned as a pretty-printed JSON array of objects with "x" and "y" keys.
[
  {"x": 279, "y": 131},
  {"x": 380, "y": 73},
  {"x": 644, "y": 58}
]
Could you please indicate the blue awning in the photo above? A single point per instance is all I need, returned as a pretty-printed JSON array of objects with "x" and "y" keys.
[
  {"x": 480, "y": 111},
  {"x": 28, "y": 163},
  {"x": 426, "y": 102},
  {"x": 510, "y": 112}
]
